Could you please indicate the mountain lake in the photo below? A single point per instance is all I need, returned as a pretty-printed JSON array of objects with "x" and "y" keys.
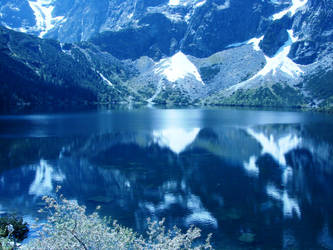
[{"x": 255, "y": 179}]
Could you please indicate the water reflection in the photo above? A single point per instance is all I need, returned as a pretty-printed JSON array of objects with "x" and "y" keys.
[
  {"x": 289, "y": 205},
  {"x": 251, "y": 166},
  {"x": 277, "y": 148},
  {"x": 176, "y": 139},
  {"x": 273, "y": 181},
  {"x": 44, "y": 177}
]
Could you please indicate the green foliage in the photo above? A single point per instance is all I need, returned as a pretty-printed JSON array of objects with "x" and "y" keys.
[
  {"x": 208, "y": 73},
  {"x": 69, "y": 227},
  {"x": 320, "y": 86},
  {"x": 147, "y": 91},
  {"x": 170, "y": 96},
  {"x": 20, "y": 228},
  {"x": 277, "y": 95},
  {"x": 36, "y": 71},
  {"x": 5, "y": 244},
  {"x": 327, "y": 105}
]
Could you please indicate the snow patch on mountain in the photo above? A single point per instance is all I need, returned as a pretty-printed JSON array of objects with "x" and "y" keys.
[
  {"x": 177, "y": 67},
  {"x": 11, "y": 6},
  {"x": 43, "y": 12},
  {"x": 175, "y": 17},
  {"x": 174, "y": 9},
  {"x": 174, "y": 2},
  {"x": 195, "y": 3},
  {"x": 254, "y": 41},
  {"x": 281, "y": 61},
  {"x": 199, "y": 4},
  {"x": 224, "y": 6},
  {"x": 295, "y": 6},
  {"x": 105, "y": 79}
]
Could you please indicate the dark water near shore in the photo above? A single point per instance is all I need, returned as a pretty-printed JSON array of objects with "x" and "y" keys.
[{"x": 255, "y": 179}]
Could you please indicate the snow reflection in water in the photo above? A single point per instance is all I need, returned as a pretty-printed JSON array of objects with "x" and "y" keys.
[
  {"x": 289, "y": 205},
  {"x": 44, "y": 177},
  {"x": 175, "y": 139},
  {"x": 277, "y": 148},
  {"x": 262, "y": 180}
]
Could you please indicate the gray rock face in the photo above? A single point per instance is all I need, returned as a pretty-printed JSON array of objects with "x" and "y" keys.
[
  {"x": 219, "y": 23},
  {"x": 275, "y": 36},
  {"x": 197, "y": 27},
  {"x": 155, "y": 37},
  {"x": 17, "y": 14},
  {"x": 231, "y": 44},
  {"x": 134, "y": 28},
  {"x": 314, "y": 28},
  {"x": 82, "y": 19},
  {"x": 224, "y": 69}
]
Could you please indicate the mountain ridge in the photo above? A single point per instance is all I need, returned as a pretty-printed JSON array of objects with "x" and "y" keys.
[{"x": 280, "y": 49}]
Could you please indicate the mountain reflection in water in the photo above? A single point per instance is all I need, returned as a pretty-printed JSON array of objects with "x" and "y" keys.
[{"x": 272, "y": 181}]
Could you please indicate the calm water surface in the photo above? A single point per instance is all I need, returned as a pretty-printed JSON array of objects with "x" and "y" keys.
[{"x": 255, "y": 179}]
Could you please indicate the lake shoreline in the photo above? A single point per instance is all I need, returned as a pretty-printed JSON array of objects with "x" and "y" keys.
[{"x": 58, "y": 108}]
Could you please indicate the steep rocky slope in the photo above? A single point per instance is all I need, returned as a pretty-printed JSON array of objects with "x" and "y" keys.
[
  {"x": 275, "y": 53},
  {"x": 41, "y": 71}
]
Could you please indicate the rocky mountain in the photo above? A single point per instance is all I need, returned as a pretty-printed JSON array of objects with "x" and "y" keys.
[
  {"x": 35, "y": 70},
  {"x": 229, "y": 52}
]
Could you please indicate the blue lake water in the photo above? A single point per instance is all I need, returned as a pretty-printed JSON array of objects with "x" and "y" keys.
[{"x": 255, "y": 179}]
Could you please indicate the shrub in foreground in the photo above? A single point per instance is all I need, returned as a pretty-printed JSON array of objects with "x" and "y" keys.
[
  {"x": 20, "y": 228},
  {"x": 69, "y": 227}
]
